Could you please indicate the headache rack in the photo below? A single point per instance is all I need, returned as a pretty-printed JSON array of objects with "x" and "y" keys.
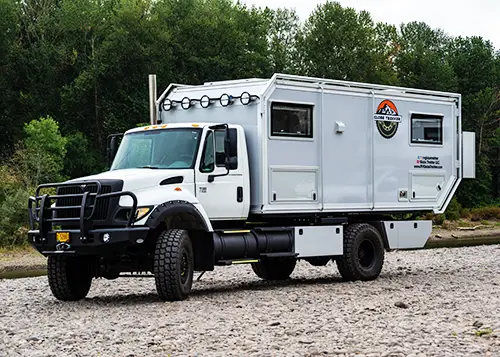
[{"x": 76, "y": 204}]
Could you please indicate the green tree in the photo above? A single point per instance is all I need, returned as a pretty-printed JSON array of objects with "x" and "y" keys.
[
  {"x": 9, "y": 124},
  {"x": 40, "y": 158},
  {"x": 284, "y": 27},
  {"x": 421, "y": 60},
  {"x": 80, "y": 159},
  {"x": 341, "y": 43}
]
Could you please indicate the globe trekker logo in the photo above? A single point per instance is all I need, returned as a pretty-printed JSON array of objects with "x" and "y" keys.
[{"x": 387, "y": 119}]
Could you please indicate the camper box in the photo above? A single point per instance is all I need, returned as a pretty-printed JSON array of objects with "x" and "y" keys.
[{"x": 317, "y": 145}]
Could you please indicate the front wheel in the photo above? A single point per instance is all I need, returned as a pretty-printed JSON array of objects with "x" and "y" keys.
[
  {"x": 69, "y": 278},
  {"x": 173, "y": 265},
  {"x": 363, "y": 256}
]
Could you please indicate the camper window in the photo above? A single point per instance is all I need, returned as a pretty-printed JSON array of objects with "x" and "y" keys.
[
  {"x": 426, "y": 129},
  {"x": 292, "y": 120}
]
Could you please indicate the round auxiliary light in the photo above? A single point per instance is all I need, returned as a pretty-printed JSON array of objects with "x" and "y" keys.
[
  {"x": 186, "y": 103},
  {"x": 245, "y": 98},
  {"x": 167, "y": 105},
  {"x": 225, "y": 99},
  {"x": 106, "y": 237},
  {"x": 205, "y": 101}
]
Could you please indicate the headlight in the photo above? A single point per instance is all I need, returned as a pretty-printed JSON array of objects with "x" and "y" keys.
[{"x": 141, "y": 212}]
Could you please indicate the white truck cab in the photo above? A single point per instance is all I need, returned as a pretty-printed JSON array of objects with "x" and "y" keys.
[{"x": 258, "y": 171}]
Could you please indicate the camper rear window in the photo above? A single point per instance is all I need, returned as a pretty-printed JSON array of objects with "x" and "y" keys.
[
  {"x": 426, "y": 129},
  {"x": 291, "y": 120}
]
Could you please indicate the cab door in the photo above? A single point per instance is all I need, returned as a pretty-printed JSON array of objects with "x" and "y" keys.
[{"x": 220, "y": 192}]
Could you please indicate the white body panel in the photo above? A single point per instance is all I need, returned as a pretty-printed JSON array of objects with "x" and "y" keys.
[
  {"x": 407, "y": 234},
  {"x": 347, "y": 165},
  {"x": 469, "y": 154},
  {"x": 319, "y": 241}
]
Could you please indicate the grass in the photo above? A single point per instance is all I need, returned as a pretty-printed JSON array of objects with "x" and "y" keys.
[
  {"x": 468, "y": 223},
  {"x": 483, "y": 332},
  {"x": 14, "y": 250}
]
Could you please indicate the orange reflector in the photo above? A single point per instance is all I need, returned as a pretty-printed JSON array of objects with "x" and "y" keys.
[
  {"x": 62, "y": 237},
  {"x": 164, "y": 126},
  {"x": 177, "y": 189},
  {"x": 146, "y": 128},
  {"x": 195, "y": 125},
  {"x": 155, "y": 126}
]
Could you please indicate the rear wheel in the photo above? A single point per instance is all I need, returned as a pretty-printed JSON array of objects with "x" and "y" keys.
[
  {"x": 363, "y": 256},
  {"x": 274, "y": 269},
  {"x": 173, "y": 265},
  {"x": 69, "y": 278}
]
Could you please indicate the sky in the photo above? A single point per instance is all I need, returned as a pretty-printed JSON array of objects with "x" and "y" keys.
[{"x": 455, "y": 17}]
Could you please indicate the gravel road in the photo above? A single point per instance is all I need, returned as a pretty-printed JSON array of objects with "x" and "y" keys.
[{"x": 425, "y": 303}]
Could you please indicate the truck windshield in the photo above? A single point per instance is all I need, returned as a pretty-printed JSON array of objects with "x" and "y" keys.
[{"x": 158, "y": 149}]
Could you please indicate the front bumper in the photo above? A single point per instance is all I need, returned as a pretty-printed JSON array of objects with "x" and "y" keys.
[
  {"x": 76, "y": 221},
  {"x": 92, "y": 244}
]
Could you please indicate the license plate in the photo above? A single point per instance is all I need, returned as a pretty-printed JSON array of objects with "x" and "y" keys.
[{"x": 62, "y": 237}]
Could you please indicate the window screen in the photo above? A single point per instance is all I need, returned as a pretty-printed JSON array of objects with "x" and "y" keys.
[
  {"x": 293, "y": 120},
  {"x": 426, "y": 129}
]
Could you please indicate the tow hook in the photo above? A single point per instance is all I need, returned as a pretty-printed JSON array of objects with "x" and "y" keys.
[{"x": 62, "y": 246}]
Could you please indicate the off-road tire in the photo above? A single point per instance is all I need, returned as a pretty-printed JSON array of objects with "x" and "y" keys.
[
  {"x": 275, "y": 268},
  {"x": 173, "y": 265},
  {"x": 364, "y": 253},
  {"x": 69, "y": 278}
]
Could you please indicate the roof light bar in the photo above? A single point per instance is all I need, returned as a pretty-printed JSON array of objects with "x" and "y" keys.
[{"x": 205, "y": 101}]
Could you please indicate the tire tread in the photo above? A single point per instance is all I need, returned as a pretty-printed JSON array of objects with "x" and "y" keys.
[
  {"x": 67, "y": 280},
  {"x": 345, "y": 264},
  {"x": 168, "y": 248}
]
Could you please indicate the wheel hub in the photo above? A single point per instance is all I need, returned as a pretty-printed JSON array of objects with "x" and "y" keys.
[{"x": 366, "y": 254}]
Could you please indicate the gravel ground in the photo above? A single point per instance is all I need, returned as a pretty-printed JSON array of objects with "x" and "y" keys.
[{"x": 425, "y": 303}]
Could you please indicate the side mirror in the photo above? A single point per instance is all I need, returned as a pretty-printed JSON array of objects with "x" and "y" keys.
[
  {"x": 232, "y": 163},
  {"x": 113, "y": 147}
]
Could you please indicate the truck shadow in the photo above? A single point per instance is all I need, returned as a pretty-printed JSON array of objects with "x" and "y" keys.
[
  {"x": 211, "y": 289},
  {"x": 216, "y": 288}
]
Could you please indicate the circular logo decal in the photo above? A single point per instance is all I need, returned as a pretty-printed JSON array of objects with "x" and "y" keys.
[{"x": 387, "y": 119}]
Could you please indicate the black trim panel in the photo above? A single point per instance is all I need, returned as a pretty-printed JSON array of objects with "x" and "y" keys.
[
  {"x": 172, "y": 208},
  {"x": 172, "y": 180}
]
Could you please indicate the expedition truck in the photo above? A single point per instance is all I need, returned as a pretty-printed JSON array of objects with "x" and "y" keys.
[{"x": 258, "y": 171}]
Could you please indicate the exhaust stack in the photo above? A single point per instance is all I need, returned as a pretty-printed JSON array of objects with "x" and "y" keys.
[{"x": 153, "y": 114}]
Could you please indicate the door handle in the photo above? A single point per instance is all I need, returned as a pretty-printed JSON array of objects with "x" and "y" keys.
[{"x": 239, "y": 194}]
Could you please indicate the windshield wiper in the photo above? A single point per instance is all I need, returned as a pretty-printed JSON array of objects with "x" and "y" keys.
[{"x": 148, "y": 167}]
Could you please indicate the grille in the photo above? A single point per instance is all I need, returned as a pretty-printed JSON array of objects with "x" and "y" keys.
[{"x": 101, "y": 210}]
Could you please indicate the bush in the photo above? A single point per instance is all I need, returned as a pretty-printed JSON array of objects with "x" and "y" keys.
[
  {"x": 38, "y": 159},
  {"x": 439, "y": 219},
  {"x": 453, "y": 211},
  {"x": 485, "y": 213},
  {"x": 14, "y": 218}
]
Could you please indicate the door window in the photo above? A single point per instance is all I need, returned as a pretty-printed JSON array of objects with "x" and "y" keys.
[
  {"x": 208, "y": 158},
  {"x": 220, "y": 154}
]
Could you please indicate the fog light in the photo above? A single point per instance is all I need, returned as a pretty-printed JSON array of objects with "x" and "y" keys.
[
  {"x": 106, "y": 237},
  {"x": 140, "y": 240}
]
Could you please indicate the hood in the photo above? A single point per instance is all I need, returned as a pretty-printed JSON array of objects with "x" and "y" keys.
[{"x": 138, "y": 179}]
